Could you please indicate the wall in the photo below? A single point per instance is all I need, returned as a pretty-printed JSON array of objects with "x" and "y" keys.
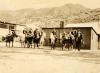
[
  {"x": 99, "y": 42},
  {"x": 85, "y": 31},
  {"x": 94, "y": 40},
  {"x": 3, "y": 32},
  {"x": 20, "y": 29}
]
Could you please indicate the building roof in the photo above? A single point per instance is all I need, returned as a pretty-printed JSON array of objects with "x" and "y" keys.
[
  {"x": 32, "y": 26},
  {"x": 2, "y": 22},
  {"x": 94, "y": 25}
]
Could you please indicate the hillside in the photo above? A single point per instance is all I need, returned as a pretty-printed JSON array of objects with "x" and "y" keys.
[{"x": 72, "y": 13}]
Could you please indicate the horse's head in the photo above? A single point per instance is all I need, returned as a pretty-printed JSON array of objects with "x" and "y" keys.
[{"x": 14, "y": 34}]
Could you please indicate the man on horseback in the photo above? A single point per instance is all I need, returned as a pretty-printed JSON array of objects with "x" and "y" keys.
[
  {"x": 53, "y": 39},
  {"x": 36, "y": 37},
  {"x": 55, "y": 34},
  {"x": 68, "y": 40},
  {"x": 64, "y": 39},
  {"x": 29, "y": 39},
  {"x": 42, "y": 39},
  {"x": 71, "y": 40},
  {"x": 10, "y": 38},
  {"x": 79, "y": 40}
]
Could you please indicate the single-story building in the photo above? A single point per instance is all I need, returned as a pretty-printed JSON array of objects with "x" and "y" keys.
[
  {"x": 90, "y": 32},
  {"x": 5, "y": 28}
]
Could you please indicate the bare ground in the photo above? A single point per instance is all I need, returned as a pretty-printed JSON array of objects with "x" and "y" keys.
[{"x": 30, "y": 60}]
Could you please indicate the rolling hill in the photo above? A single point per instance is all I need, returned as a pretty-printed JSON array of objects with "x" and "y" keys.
[{"x": 72, "y": 13}]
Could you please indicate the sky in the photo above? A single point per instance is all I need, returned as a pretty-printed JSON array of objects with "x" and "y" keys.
[{"x": 36, "y": 4}]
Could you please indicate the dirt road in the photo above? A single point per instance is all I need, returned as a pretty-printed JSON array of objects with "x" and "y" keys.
[{"x": 27, "y": 60}]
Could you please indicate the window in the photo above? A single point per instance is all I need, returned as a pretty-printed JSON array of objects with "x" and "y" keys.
[
  {"x": 3, "y": 26},
  {"x": 11, "y": 27}
]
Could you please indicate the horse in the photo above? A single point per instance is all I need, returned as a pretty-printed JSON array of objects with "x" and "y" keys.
[
  {"x": 79, "y": 41},
  {"x": 64, "y": 40},
  {"x": 29, "y": 39},
  {"x": 52, "y": 40},
  {"x": 23, "y": 40},
  {"x": 10, "y": 38},
  {"x": 71, "y": 40},
  {"x": 36, "y": 38},
  {"x": 68, "y": 40},
  {"x": 42, "y": 39},
  {"x": 26, "y": 39}
]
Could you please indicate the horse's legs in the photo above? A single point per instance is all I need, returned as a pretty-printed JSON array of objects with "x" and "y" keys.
[
  {"x": 71, "y": 46},
  {"x": 78, "y": 49},
  {"x": 62, "y": 46},
  {"x": 63, "y": 43},
  {"x": 25, "y": 44},
  {"x": 31, "y": 45},
  {"x": 34, "y": 45},
  {"x": 37, "y": 45},
  {"x": 9, "y": 44},
  {"x": 22, "y": 44},
  {"x": 79, "y": 46},
  {"x": 51, "y": 46},
  {"x": 68, "y": 45},
  {"x": 6, "y": 44},
  {"x": 54, "y": 45},
  {"x": 12, "y": 43},
  {"x": 42, "y": 44},
  {"x": 75, "y": 45},
  {"x": 28, "y": 45}
]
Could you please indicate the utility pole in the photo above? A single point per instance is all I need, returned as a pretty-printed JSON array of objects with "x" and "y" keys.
[{"x": 99, "y": 20}]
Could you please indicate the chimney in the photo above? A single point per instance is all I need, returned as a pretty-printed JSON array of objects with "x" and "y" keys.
[{"x": 61, "y": 24}]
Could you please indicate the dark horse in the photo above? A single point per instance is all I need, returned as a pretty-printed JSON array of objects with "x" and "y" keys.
[
  {"x": 64, "y": 40},
  {"x": 36, "y": 38},
  {"x": 27, "y": 39},
  {"x": 68, "y": 40},
  {"x": 10, "y": 38},
  {"x": 79, "y": 41}
]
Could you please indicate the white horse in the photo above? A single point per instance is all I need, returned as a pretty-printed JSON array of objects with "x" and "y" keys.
[
  {"x": 42, "y": 39},
  {"x": 52, "y": 40},
  {"x": 22, "y": 40}
]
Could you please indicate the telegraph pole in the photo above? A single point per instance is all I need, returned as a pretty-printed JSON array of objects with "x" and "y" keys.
[{"x": 99, "y": 20}]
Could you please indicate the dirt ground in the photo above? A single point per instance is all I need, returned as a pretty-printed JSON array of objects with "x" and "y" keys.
[{"x": 30, "y": 60}]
